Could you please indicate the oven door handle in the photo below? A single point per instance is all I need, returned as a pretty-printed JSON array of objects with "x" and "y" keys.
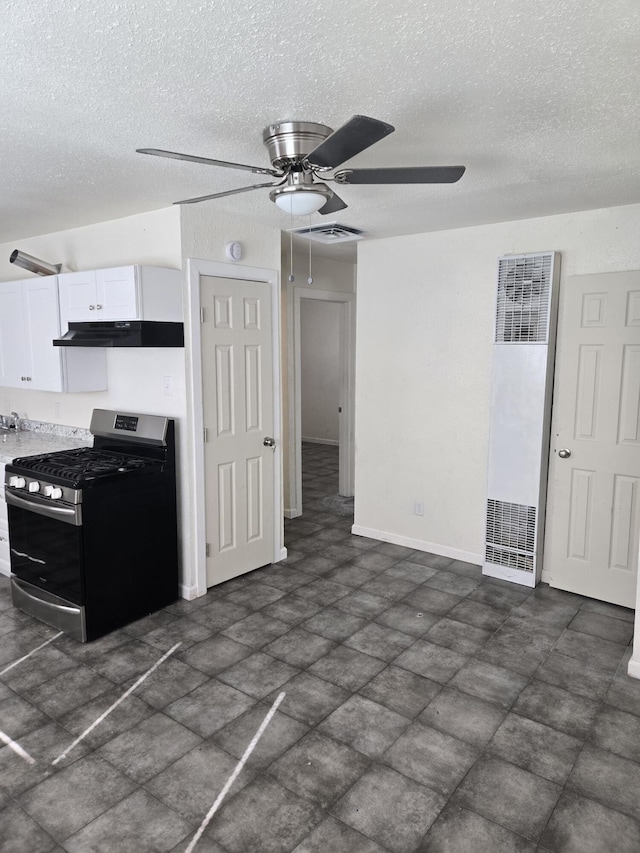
[
  {"x": 24, "y": 554},
  {"x": 70, "y": 515}
]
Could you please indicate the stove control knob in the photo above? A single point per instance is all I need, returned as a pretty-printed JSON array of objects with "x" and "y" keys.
[
  {"x": 17, "y": 482},
  {"x": 56, "y": 493},
  {"x": 33, "y": 486},
  {"x": 47, "y": 491}
]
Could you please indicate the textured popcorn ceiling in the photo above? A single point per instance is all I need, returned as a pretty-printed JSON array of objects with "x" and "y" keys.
[{"x": 538, "y": 98}]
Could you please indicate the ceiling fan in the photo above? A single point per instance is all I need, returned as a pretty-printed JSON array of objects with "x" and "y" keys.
[{"x": 302, "y": 153}]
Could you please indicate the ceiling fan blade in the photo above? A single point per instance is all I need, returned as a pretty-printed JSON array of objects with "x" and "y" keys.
[
  {"x": 402, "y": 175},
  {"x": 334, "y": 204},
  {"x": 344, "y": 143},
  {"x": 226, "y": 193},
  {"x": 158, "y": 152}
]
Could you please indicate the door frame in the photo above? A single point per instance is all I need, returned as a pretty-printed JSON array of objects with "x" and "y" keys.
[
  {"x": 195, "y": 413},
  {"x": 346, "y": 435}
]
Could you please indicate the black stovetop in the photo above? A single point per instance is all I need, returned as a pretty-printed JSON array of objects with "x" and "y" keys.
[{"x": 82, "y": 465}]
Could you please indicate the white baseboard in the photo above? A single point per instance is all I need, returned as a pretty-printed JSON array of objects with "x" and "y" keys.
[
  {"x": 418, "y": 544},
  {"x": 281, "y": 555},
  {"x": 292, "y": 513},
  {"x": 332, "y": 441},
  {"x": 633, "y": 669}
]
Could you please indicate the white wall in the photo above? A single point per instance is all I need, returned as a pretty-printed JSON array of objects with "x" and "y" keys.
[
  {"x": 320, "y": 362},
  {"x": 423, "y": 362},
  {"x": 205, "y": 232},
  {"x": 147, "y": 238}
]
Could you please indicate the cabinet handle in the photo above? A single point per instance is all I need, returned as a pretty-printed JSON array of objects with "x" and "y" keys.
[
  {"x": 99, "y": 307},
  {"x": 91, "y": 307}
]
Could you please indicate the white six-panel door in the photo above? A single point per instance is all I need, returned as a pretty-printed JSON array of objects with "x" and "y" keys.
[
  {"x": 594, "y": 476},
  {"x": 237, "y": 390}
]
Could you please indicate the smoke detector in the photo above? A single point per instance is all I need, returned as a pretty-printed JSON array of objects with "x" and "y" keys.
[{"x": 329, "y": 232}]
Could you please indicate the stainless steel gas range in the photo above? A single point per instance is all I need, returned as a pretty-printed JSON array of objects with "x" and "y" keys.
[{"x": 93, "y": 531}]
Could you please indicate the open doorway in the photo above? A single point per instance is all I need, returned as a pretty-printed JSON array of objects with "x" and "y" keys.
[{"x": 343, "y": 306}]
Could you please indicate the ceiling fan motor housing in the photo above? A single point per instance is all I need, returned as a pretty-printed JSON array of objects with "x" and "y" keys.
[{"x": 289, "y": 142}]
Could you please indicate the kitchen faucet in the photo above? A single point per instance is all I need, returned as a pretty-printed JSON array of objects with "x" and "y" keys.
[{"x": 11, "y": 421}]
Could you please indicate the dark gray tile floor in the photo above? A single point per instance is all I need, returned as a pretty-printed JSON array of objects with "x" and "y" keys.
[{"x": 426, "y": 709}]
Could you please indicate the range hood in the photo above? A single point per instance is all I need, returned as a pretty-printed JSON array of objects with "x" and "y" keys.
[{"x": 123, "y": 333}]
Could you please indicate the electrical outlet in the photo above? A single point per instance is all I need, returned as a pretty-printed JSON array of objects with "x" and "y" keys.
[
  {"x": 418, "y": 509},
  {"x": 56, "y": 411},
  {"x": 167, "y": 384}
]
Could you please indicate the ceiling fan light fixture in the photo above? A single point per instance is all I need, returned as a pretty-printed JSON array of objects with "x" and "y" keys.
[{"x": 300, "y": 201}]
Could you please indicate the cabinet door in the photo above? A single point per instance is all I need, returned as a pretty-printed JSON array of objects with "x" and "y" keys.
[
  {"x": 42, "y": 326},
  {"x": 117, "y": 294},
  {"x": 78, "y": 297},
  {"x": 13, "y": 350}
]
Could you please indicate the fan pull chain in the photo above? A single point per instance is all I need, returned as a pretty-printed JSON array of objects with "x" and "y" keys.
[
  {"x": 291, "y": 276},
  {"x": 310, "y": 279}
]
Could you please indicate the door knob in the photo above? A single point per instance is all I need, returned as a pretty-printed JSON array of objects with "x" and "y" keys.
[
  {"x": 269, "y": 442},
  {"x": 564, "y": 453}
]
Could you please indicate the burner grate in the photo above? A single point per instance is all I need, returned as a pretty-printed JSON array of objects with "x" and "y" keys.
[{"x": 83, "y": 463}]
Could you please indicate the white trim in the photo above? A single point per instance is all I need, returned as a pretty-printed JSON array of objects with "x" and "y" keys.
[
  {"x": 418, "y": 544},
  {"x": 633, "y": 669},
  {"x": 189, "y": 592},
  {"x": 346, "y": 440},
  {"x": 195, "y": 269}
]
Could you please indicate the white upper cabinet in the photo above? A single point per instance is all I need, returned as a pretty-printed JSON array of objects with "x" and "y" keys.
[
  {"x": 13, "y": 347},
  {"x": 29, "y": 321},
  {"x": 35, "y": 311},
  {"x": 41, "y": 303},
  {"x": 122, "y": 293}
]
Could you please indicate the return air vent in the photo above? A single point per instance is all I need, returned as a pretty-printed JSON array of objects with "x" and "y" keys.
[
  {"x": 328, "y": 232},
  {"x": 512, "y": 528},
  {"x": 522, "y": 307},
  {"x": 509, "y": 559}
]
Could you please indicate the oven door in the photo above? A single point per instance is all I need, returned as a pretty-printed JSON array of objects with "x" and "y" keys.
[{"x": 46, "y": 546}]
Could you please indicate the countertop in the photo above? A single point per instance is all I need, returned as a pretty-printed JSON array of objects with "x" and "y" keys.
[{"x": 27, "y": 443}]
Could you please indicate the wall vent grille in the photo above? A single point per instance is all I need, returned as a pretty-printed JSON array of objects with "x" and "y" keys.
[
  {"x": 524, "y": 289},
  {"x": 511, "y": 532},
  {"x": 509, "y": 559}
]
